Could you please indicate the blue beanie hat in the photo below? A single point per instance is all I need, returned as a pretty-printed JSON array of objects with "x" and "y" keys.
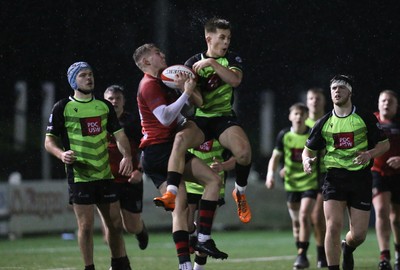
[{"x": 73, "y": 70}]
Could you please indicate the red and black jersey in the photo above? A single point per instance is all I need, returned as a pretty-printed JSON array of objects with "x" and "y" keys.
[
  {"x": 132, "y": 130},
  {"x": 392, "y": 131},
  {"x": 151, "y": 94}
]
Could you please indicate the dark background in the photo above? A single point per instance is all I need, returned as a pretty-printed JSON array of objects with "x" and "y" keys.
[{"x": 287, "y": 46}]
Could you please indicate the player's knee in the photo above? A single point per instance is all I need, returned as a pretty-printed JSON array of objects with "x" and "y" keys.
[
  {"x": 358, "y": 238},
  {"x": 396, "y": 222},
  {"x": 180, "y": 141}
]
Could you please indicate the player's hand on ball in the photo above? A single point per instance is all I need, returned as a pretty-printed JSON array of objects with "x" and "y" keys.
[
  {"x": 180, "y": 79},
  {"x": 189, "y": 86}
]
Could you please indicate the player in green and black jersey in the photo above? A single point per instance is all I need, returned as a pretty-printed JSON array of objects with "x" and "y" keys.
[
  {"x": 219, "y": 72},
  {"x": 301, "y": 188},
  {"x": 77, "y": 135},
  {"x": 351, "y": 139}
]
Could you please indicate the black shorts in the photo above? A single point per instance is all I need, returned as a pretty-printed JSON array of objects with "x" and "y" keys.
[
  {"x": 154, "y": 161},
  {"x": 321, "y": 179},
  {"x": 212, "y": 127},
  {"x": 131, "y": 196},
  {"x": 386, "y": 183},
  {"x": 354, "y": 187},
  {"x": 295, "y": 197},
  {"x": 94, "y": 192},
  {"x": 195, "y": 199}
]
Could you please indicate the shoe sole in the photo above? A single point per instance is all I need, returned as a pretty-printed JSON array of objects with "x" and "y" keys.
[
  {"x": 160, "y": 203},
  {"x": 221, "y": 256},
  {"x": 242, "y": 219}
]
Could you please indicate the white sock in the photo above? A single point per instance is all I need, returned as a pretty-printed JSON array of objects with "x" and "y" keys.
[
  {"x": 240, "y": 189},
  {"x": 185, "y": 266},
  {"x": 173, "y": 189},
  {"x": 198, "y": 267},
  {"x": 203, "y": 237}
]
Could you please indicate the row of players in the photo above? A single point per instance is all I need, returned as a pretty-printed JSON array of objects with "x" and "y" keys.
[{"x": 82, "y": 123}]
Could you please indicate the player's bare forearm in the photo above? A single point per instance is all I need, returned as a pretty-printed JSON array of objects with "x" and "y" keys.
[{"x": 123, "y": 145}]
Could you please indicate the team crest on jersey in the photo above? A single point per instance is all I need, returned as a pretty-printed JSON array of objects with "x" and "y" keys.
[
  {"x": 91, "y": 126},
  {"x": 205, "y": 147},
  {"x": 296, "y": 155},
  {"x": 343, "y": 140}
]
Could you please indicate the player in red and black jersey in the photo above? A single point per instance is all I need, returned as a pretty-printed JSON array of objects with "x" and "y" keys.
[
  {"x": 130, "y": 189},
  {"x": 386, "y": 181},
  {"x": 160, "y": 113}
]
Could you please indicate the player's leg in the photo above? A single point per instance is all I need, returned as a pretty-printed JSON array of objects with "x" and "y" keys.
[
  {"x": 235, "y": 139},
  {"x": 154, "y": 163},
  {"x": 334, "y": 211},
  {"x": 318, "y": 221},
  {"x": 306, "y": 207},
  {"x": 180, "y": 232},
  {"x": 131, "y": 201},
  {"x": 359, "y": 221},
  {"x": 111, "y": 213},
  {"x": 293, "y": 209},
  {"x": 381, "y": 202},
  {"x": 212, "y": 182},
  {"x": 193, "y": 203},
  {"x": 85, "y": 219},
  {"x": 190, "y": 136},
  {"x": 395, "y": 223}
]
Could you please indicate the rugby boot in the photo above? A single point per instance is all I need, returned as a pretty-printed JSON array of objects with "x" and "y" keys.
[
  {"x": 384, "y": 265},
  {"x": 167, "y": 200},
  {"x": 301, "y": 262},
  {"x": 208, "y": 247},
  {"x": 243, "y": 208},
  {"x": 143, "y": 238}
]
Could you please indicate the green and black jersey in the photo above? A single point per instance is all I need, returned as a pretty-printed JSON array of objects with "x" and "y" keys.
[
  {"x": 207, "y": 152},
  {"x": 82, "y": 126},
  {"x": 291, "y": 145},
  {"x": 217, "y": 95},
  {"x": 344, "y": 137}
]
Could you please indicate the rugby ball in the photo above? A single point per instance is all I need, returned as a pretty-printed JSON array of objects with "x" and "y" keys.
[{"x": 168, "y": 74}]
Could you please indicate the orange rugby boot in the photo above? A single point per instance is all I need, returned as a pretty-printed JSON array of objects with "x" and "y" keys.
[
  {"x": 167, "y": 200},
  {"x": 243, "y": 208}
]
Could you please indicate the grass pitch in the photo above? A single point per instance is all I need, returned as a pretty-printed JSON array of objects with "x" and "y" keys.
[{"x": 255, "y": 250}]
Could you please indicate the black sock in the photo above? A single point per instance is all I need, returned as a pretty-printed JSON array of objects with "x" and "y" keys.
[
  {"x": 89, "y": 267},
  {"x": 242, "y": 173},
  {"x": 181, "y": 240},
  {"x": 297, "y": 243},
  {"x": 121, "y": 263},
  {"x": 174, "y": 178},
  {"x": 321, "y": 252},
  {"x": 348, "y": 249},
  {"x": 304, "y": 247},
  {"x": 334, "y": 267},
  {"x": 206, "y": 216},
  {"x": 200, "y": 260},
  {"x": 385, "y": 255}
]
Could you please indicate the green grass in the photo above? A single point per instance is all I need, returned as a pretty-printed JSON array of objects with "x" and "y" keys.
[{"x": 255, "y": 250}]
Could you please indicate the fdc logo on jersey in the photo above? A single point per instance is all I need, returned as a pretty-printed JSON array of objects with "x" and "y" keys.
[
  {"x": 91, "y": 126},
  {"x": 344, "y": 140}
]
